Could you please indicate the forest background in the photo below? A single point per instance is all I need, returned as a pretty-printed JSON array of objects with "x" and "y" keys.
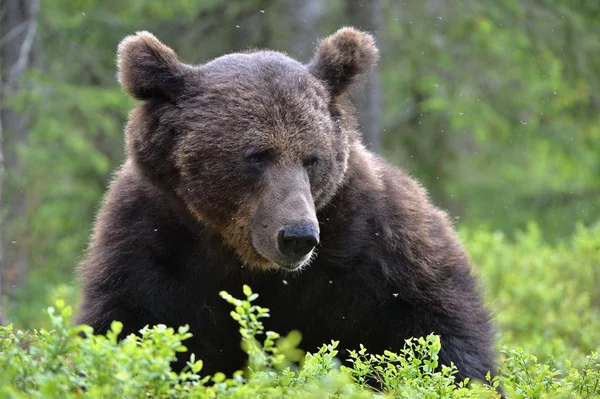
[{"x": 493, "y": 105}]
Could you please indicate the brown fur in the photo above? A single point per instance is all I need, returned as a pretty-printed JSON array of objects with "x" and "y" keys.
[
  {"x": 342, "y": 59},
  {"x": 221, "y": 156}
]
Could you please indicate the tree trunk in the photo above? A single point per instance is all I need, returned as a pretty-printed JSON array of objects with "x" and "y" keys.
[
  {"x": 18, "y": 25},
  {"x": 368, "y": 16}
]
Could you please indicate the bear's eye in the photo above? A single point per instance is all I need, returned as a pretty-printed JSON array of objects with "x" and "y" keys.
[
  {"x": 311, "y": 162},
  {"x": 258, "y": 158}
]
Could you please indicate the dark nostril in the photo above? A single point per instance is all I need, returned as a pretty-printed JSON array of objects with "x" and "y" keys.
[{"x": 297, "y": 240}]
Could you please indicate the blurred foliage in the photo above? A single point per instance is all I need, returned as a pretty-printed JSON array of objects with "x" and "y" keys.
[
  {"x": 545, "y": 297},
  {"x": 494, "y": 105}
]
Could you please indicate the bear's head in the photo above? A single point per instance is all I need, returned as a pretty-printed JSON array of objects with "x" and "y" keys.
[{"x": 252, "y": 143}]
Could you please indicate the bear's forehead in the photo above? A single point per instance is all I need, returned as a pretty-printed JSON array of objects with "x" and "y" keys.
[
  {"x": 266, "y": 87},
  {"x": 252, "y": 65},
  {"x": 261, "y": 73},
  {"x": 262, "y": 100}
]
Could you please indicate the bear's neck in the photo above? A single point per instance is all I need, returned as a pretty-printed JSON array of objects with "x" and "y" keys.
[
  {"x": 166, "y": 195},
  {"x": 358, "y": 191}
]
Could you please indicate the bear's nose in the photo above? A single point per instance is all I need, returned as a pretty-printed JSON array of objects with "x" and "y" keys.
[{"x": 297, "y": 240}]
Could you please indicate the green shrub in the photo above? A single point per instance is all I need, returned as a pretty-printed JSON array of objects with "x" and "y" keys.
[
  {"x": 58, "y": 363},
  {"x": 528, "y": 378},
  {"x": 546, "y": 297}
]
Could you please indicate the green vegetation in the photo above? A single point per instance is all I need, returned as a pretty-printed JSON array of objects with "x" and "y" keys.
[
  {"x": 546, "y": 299},
  {"x": 546, "y": 296}
]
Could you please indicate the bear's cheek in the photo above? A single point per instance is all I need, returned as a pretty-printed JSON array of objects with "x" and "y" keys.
[
  {"x": 237, "y": 233},
  {"x": 325, "y": 185},
  {"x": 223, "y": 205},
  {"x": 210, "y": 194}
]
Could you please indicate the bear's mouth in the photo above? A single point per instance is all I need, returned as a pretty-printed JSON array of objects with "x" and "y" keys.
[
  {"x": 273, "y": 258},
  {"x": 297, "y": 265}
]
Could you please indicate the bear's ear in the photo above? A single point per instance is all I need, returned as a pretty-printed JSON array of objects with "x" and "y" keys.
[
  {"x": 149, "y": 69},
  {"x": 343, "y": 58}
]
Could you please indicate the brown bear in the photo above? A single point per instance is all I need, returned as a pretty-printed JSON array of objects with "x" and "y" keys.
[{"x": 249, "y": 169}]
